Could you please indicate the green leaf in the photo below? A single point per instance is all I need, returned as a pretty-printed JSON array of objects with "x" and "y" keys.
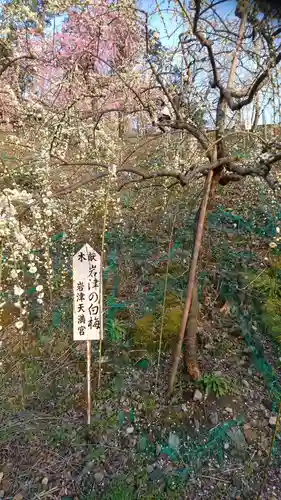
[
  {"x": 44, "y": 339},
  {"x": 121, "y": 417},
  {"x": 142, "y": 443},
  {"x": 132, "y": 415},
  {"x": 56, "y": 316},
  {"x": 96, "y": 453},
  {"x": 143, "y": 364},
  {"x": 166, "y": 450},
  {"x": 242, "y": 155},
  {"x": 57, "y": 237}
]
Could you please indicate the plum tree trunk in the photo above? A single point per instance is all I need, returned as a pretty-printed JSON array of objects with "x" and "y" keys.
[{"x": 190, "y": 341}]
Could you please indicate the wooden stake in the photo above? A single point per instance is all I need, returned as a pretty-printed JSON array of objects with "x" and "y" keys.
[
  {"x": 101, "y": 281},
  {"x": 89, "y": 345},
  {"x": 101, "y": 324}
]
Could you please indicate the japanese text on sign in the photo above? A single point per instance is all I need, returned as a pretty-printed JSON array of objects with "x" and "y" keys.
[{"x": 87, "y": 294}]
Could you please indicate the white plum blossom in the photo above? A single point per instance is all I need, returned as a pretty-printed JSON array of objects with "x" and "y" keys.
[
  {"x": 272, "y": 244},
  {"x": 14, "y": 274},
  {"x": 21, "y": 239},
  {"x": 18, "y": 291},
  {"x": 19, "y": 325}
]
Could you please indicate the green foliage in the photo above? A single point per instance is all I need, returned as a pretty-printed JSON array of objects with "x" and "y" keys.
[
  {"x": 266, "y": 283},
  {"x": 61, "y": 435},
  {"x": 215, "y": 384},
  {"x": 119, "y": 490},
  {"x": 56, "y": 317},
  {"x": 117, "y": 330},
  {"x": 143, "y": 364},
  {"x": 149, "y": 404}
]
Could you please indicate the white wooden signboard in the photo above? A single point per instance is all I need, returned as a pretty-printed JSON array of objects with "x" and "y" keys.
[{"x": 87, "y": 303}]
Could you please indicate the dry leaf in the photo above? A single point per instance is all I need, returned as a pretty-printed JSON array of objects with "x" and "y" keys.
[{"x": 225, "y": 309}]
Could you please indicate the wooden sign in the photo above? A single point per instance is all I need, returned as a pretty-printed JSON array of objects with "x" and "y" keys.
[
  {"x": 87, "y": 314},
  {"x": 87, "y": 305}
]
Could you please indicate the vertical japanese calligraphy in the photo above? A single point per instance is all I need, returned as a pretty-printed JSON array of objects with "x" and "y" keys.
[{"x": 87, "y": 314}]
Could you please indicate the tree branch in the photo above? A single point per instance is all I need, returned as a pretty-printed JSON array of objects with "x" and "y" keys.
[
  {"x": 183, "y": 179},
  {"x": 14, "y": 61}
]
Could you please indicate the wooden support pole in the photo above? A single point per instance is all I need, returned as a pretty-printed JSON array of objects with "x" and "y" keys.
[{"x": 89, "y": 402}]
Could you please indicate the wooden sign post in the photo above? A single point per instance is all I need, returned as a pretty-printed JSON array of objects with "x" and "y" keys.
[{"x": 87, "y": 305}]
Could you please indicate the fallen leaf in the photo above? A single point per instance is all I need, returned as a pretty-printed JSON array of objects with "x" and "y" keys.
[
  {"x": 225, "y": 309},
  {"x": 18, "y": 496}
]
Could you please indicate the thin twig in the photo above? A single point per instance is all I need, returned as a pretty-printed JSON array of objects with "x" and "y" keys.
[
  {"x": 101, "y": 281},
  {"x": 45, "y": 493},
  {"x": 164, "y": 302},
  {"x": 216, "y": 479}
]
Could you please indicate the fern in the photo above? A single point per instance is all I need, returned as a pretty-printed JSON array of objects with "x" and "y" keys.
[
  {"x": 215, "y": 384},
  {"x": 117, "y": 330}
]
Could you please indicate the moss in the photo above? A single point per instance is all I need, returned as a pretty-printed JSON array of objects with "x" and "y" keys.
[
  {"x": 271, "y": 315},
  {"x": 266, "y": 286},
  {"x": 144, "y": 333},
  {"x": 172, "y": 325},
  {"x": 172, "y": 300},
  {"x": 172, "y": 416},
  {"x": 147, "y": 329},
  {"x": 149, "y": 404},
  {"x": 174, "y": 269}
]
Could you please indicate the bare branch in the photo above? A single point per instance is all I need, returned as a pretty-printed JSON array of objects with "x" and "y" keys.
[
  {"x": 183, "y": 179},
  {"x": 82, "y": 182},
  {"x": 11, "y": 62}
]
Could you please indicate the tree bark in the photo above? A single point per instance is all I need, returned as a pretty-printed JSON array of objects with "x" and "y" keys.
[{"x": 190, "y": 342}]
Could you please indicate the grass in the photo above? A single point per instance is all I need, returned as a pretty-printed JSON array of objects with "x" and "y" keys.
[
  {"x": 119, "y": 490},
  {"x": 138, "y": 487}
]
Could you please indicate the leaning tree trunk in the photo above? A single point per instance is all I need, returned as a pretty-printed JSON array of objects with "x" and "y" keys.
[
  {"x": 190, "y": 341},
  {"x": 192, "y": 278}
]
